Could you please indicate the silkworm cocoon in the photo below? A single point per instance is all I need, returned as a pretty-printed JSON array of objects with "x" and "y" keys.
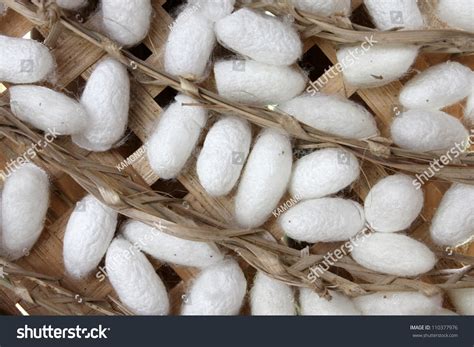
[
  {"x": 24, "y": 60},
  {"x": 270, "y": 297},
  {"x": 394, "y": 254},
  {"x": 25, "y": 199},
  {"x": 264, "y": 180},
  {"x": 427, "y": 130},
  {"x": 175, "y": 137},
  {"x": 390, "y": 14},
  {"x": 168, "y": 248},
  {"x": 437, "y": 87},
  {"x": 463, "y": 300},
  {"x": 333, "y": 114},
  {"x": 393, "y": 203},
  {"x": 323, "y": 220},
  {"x": 324, "y": 8},
  {"x": 47, "y": 109},
  {"x": 218, "y": 291},
  {"x": 213, "y": 9},
  {"x": 469, "y": 110},
  {"x": 126, "y": 21},
  {"x": 223, "y": 155},
  {"x": 377, "y": 66},
  {"x": 398, "y": 303},
  {"x": 261, "y": 37},
  {"x": 255, "y": 83},
  {"x": 457, "y": 14},
  {"x": 134, "y": 279},
  {"x": 323, "y": 172},
  {"x": 89, "y": 231},
  {"x": 106, "y": 100},
  {"x": 453, "y": 222},
  {"x": 311, "y": 304},
  {"x": 71, "y": 4},
  {"x": 189, "y": 45}
]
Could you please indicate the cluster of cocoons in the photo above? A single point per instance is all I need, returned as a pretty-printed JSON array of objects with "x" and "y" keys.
[
  {"x": 324, "y": 8},
  {"x": 270, "y": 297},
  {"x": 89, "y": 231},
  {"x": 457, "y": 14},
  {"x": 24, "y": 60},
  {"x": 24, "y": 202}
]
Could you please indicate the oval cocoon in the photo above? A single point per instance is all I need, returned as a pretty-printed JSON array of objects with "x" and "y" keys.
[
  {"x": 25, "y": 199},
  {"x": 175, "y": 137},
  {"x": 169, "y": 248},
  {"x": 260, "y": 37},
  {"x": 463, "y": 300},
  {"x": 270, "y": 297},
  {"x": 71, "y": 4},
  {"x": 457, "y": 14},
  {"x": 223, "y": 155},
  {"x": 437, "y": 87},
  {"x": 427, "y": 130},
  {"x": 323, "y": 220},
  {"x": 453, "y": 222},
  {"x": 213, "y": 10},
  {"x": 390, "y": 14},
  {"x": 126, "y": 21},
  {"x": 311, "y": 304},
  {"x": 189, "y": 45},
  {"x": 47, "y": 109},
  {"x": 394, "y": 254},
  {"x": 265, "y": 178},
  {"x": 333, "y": 114},
  {"x": 218, "y": 291},
  {"x": 393, "y": 203},
  {"x": 469, "y": 110},
  {"x": 24, "y": 60},
  {"x": 323, "y": 172},
  {"x": 377, "y": 66},
  {"x": 255, "y": 83},
  {"x": 323, "y": 7},
  {"x": 398, "y": 303},
  {"x": 135, "y": 280},
  {"x": 106, "y": 100},
  {"x": 89, "y": 231}
]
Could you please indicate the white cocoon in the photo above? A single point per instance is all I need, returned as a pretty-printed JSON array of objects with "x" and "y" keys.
[
  {"x": 427, "y": 130},
  {"x": 189, "y": 45},
  {"x": 218, "y": 291},
  {"x": 393, "y": 254},
  {"x": 379, "y": 65},
  {"x": 390, "y": 14},
  {"x": 106, "y": 99},
  {"x": 126, "y": 21},
  {"x": 134, "y": 279},
  {"x": 453, "y": 222},
  {"x": 323, "y": 172},
  {"x": 71, "y": 4},
  {"x": 393, "y": 203},
  {"x": 25, "y": 199},
  {"x": 469, "y": 110},
  {"x": 24, "y": 60},
  {"x": 265, "y": 178},
  {"x": 47, "y": 109},
  {"x": 212, "y": 9},
  {"x": 89, "y": 231},
  {"x": 324, "y": 7},
  {"x": 223, "y": 155},
  {"x": 333, "y": 114},
  {"x": 398, "y": 304},
  {"x": 259, "y": 36},
  {"x": 457, "y": 14},
  {"x": 438, "y": 86},
  {"x": 463, "y": 300},
  {"x": 174, "y": 139},
  {"x": 270, "y": 297},
  {"x": 255, "y": 83},
  {"x": 323, "y": 220},
  {"x": 311, "y": 304},
  {"x": 168, "y": 248}
]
